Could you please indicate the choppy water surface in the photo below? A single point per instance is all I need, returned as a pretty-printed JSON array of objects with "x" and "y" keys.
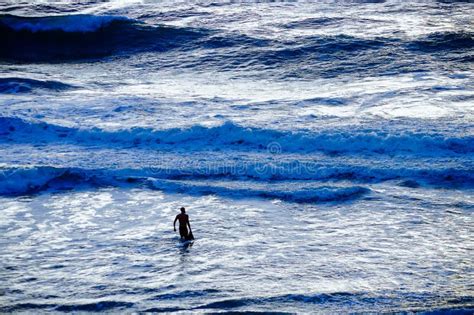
[
  {"x": 324, "y": 152},
  {"x": 112, "y": 249}
]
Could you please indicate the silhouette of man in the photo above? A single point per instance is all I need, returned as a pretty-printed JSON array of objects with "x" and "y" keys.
[{"x": 183, "y": 219}]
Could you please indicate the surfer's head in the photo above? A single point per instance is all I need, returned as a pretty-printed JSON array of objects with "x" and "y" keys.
[{"x": 183, "y": 210}]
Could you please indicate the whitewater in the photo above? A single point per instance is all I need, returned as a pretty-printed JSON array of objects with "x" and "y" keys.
[{"x": 324, "y": 152}]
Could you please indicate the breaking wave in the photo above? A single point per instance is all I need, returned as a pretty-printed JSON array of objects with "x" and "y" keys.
[
  {"x": 62, "y": 38},
  {"x": 23, "y": 85},
  {"x": 314, "y": 184},
  {"x": 66, "y": 23},
  {"x": 25, "y": 181},
  {"x": 71, "y": 37},
  {"x": 232, "y": 136},
  {"x": 303, "y": 195}
]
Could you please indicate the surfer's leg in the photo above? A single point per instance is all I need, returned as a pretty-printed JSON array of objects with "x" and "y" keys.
[{"x": 183, "y": 231}]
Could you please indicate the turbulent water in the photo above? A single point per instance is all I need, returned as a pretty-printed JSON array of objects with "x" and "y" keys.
[{"x": 324, "y": 152}]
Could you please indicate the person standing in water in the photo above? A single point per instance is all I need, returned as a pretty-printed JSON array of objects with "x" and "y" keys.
[{"x": 183, "y": 219}]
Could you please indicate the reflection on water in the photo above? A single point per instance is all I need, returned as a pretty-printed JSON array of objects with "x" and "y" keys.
[{"x": 115, "y": 249}]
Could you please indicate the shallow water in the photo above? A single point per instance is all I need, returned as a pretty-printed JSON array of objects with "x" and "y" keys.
[
  {"x": 113, "y": 249},
  {"x": 324, "y": 153}
]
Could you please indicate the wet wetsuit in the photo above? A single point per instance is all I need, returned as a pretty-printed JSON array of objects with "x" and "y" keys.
[{"x": 183, "y": 224}]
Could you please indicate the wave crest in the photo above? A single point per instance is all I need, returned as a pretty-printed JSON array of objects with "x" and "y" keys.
[
  {"x": 23, "y": 85},
  {"x": 232, "y": 136},
  {"x": 66, "y": 23},
  {"x": 72, "y": 37},
  {"x": 25, "y": 181}
]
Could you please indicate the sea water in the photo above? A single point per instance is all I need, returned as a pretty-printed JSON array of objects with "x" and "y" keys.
[{"x": 323, "y": 151}]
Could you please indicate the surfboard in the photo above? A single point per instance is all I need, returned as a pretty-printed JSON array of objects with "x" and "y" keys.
[{"x": 190, "y": 236}]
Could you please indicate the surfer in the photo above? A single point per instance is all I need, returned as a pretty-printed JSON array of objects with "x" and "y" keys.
[{"x": 183, "y": 219}]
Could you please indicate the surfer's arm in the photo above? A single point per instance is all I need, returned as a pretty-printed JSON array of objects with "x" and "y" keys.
[
  {"x": 174, "y": 223},
  {"x": 189, "y": 224}
]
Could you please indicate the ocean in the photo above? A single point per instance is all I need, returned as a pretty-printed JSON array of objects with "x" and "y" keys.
[{"x": 324, "y": 152}]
